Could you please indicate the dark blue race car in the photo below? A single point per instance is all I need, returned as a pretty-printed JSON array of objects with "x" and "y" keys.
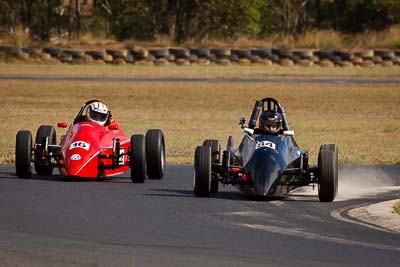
[{"x": 268, "y": 161}]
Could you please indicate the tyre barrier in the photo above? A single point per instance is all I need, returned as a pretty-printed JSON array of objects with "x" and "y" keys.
[
  {"x": 201, "y": 53},
  {"x": 161, "y": 56},
  {"x": 180, "y": 53},
  {"x": 159, "y": 53}
]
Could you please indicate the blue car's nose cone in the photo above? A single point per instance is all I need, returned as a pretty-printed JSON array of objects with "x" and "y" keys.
[
  {"x": 266, "y": 170},
  {"x": 267, "y": 158}
]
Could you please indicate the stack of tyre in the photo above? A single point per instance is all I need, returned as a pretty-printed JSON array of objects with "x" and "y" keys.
[
  {"x": 141, "y": 56},
  {"x": 161, "y": 56},
  {"x": 181, "y": 56},
  {"x": 204, "y": 56},
  {"x": 220, "y": 56}
]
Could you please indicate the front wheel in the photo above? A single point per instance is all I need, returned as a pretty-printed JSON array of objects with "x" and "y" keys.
[
  {"x": 328, "y": 172},
  {"x": 45, "y": 135},
  {"x": 215, "y": 146},
  {"x": 202, "y": 171},
  {"x": 138, "y": 158},
  {"x": 155, "y": 153},
  {"x": 23, "y": 154}
]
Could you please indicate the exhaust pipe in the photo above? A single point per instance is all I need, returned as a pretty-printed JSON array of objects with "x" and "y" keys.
[{"x": 254, "y": 114}]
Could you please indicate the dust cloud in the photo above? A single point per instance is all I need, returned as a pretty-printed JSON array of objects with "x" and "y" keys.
[
  {"x": 358, "y": 182},
  {"x": 361, "y": 181}
]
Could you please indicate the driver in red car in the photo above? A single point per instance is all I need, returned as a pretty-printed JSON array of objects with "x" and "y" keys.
[{"x": 98, "y": 112}]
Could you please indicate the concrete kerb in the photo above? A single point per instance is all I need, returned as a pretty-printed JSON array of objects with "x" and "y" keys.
[{"x": 380, "y": 214}]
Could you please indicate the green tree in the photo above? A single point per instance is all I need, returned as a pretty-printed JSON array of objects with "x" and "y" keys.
[
  {"x": 290, "y": 17},
  {"x": 361, "y": 15}
]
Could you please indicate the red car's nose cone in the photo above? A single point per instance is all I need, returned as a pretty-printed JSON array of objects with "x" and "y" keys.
[
  {"x": 81, "y": 150},
  {"x": 82, "y": 165}
]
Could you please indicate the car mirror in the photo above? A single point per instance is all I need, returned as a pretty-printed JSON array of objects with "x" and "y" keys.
[
  {"x": 113, "y": 126},
  {"x": 288, "y": 133},
  {"x": 62, "y": 125},
  {"x": 248, "y": 131},
  {"x": 242, "y": 121}
]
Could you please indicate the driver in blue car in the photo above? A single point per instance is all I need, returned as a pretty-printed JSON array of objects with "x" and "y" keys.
[{"x": 270, "y": 122}]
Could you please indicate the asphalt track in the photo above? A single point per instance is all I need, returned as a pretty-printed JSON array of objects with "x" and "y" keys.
[
  {"x": 48, "y": 221},
  {"x": 203, "y": 80}
]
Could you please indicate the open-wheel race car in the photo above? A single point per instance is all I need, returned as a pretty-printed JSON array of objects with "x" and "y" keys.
[
  {"x": 94, "y": 146},
  {"x": 268, "y": 161}
]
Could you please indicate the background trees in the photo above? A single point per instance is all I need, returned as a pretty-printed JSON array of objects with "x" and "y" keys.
[{"x": 180, "y": 20}]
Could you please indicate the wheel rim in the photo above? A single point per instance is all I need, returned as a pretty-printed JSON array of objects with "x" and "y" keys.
[
  {"x": 194, "y": 180},
  {"x": 162, "y": 159}
]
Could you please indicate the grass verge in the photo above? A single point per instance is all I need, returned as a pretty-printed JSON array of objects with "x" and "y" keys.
[
  {"x": 397, "y": 207},
  {"x": 197, "y": 71},
  {"x": 363, "y": 119}
]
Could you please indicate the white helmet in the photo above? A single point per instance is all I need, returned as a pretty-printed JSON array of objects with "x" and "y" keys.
[{"x": 97, "y": 112}]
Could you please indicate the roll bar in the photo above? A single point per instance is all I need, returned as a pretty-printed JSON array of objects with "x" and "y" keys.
[
  {"x": 268, "y": 103},
  {"x": 78, "y": 117}
]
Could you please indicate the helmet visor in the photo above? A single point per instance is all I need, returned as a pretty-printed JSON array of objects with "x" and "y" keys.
[
  {"x": 97, "y": 116},
  {"x": 272, "y": 126}
]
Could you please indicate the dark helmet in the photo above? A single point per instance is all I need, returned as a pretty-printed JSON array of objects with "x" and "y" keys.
[{"x": 270, "y": 121}]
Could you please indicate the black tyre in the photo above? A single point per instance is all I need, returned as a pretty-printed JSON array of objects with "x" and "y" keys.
[
  {"x": 304, "y": 54},
  {"x": 140, "y": 54},
  {"x": 202, "y": 171},
  {"x": 161, "y": 62},
  {"x": 344, "y": 55},
  {"x": 234, "y": 58},
  {"x": 23, "y": 154},
  {"x": 364, "y": 54},
  {"x": 324, "y": 54},
  {"x": 155, "y": 153},
  {"x": 54, "y": 52},
  {"x": 255, "y": 59},
  {"x": 241, "y": 53},
  {"x": 215, "y": 146},
  {"x": 33, "y": 51},
  {"x": 76, "y": 54},
  {"x": 117, "y": 53},
  {"x": 159, "y": 53},
  {"x": 138, "y": 158},
  {"x": 285, "y": 53},
  {"x": 15, "y": 51},
  {"x": 220, "y": 52},
  {"x": 223, "y": 62},
  {"x": 193, "y": 58},
  {"x": 179, "y": 52},
  {"x": 328, "y": 172},
  {"x": 261, "y": 52},
  {"x": 97, "y": 54},
  {"x": 45, "y": 135},
  {"x": 200, "y": 52},
  {"x": 385, "y": 54}
]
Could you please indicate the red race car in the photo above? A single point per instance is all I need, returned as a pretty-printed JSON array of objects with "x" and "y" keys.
[{"x": 94, "y": 146}]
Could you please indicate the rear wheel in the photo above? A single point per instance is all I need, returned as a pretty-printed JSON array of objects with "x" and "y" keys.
[
  {"x": 202, "y": 171},
  {"x": 155, "y": 153},
  {"x": 23, "y": 154},
  {"x": 328, "y": 172},
  {"x": 45, "y": 135},
  {"x": 215, "y": 146},
  {"x": 138, "y": 158}
]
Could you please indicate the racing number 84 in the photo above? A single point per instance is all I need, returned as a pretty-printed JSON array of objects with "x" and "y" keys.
[{"x": 268, "y": 144}]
